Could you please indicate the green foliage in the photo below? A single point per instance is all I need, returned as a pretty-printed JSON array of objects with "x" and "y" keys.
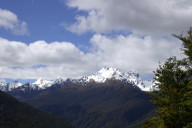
[
  {"x": 174, "y": 97},
  {"x": 187, "y": 43},
  {"x": 154, "y": 122}
]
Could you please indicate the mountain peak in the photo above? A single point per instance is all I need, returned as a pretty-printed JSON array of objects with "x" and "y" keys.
[
  {"x": 59, "y": 80},
  {"x": 42, "y": 83},
  {"x": 108, "y": 72},
  {"x": 111, "y": 73}
]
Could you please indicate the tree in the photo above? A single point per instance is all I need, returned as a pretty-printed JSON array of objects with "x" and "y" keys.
[{"x": 174, "y": 97}]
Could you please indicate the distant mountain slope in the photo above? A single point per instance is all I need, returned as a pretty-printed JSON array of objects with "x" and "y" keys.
[
  {"x": 113, "y": 104},
  {"x": 14, "y": 114}
]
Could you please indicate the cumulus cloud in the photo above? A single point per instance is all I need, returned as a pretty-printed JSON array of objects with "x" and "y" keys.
[
  {"x": 49, "y": 60},
  {"x": 9, "y": 21},
  {"x": 42, "y": 59},
  {"x": 135, "y": 53},
  {"x": 14, "y": 53},
  {"x": 141, "y": 17}
]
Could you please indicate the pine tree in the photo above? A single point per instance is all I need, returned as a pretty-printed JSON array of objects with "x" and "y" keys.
[{"x": 174, "y": 97}]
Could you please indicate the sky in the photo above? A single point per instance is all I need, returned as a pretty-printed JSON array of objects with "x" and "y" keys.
[{"x": 72, "y": 38}]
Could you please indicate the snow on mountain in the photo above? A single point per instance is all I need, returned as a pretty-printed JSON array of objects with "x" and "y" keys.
[
  {"x": 148, "y": 85},
  {"x": 59, "y": 80},
  {"x": 99, "y": 77},
  {"x": 15, "y": 84},
  {"x": 42, "y": 83},
  {"x": 37, "y": 85},
  {"x": 102, "y": 75},
  {"x": 113, "y": 73},
  {"x": 10, "y": 86},
  {"x": 2, "y": 87}
]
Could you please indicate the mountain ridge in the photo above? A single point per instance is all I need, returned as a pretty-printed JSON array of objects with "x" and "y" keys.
[{"x": 101, "y": 76}]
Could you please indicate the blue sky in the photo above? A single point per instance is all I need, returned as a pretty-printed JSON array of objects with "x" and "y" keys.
[
  {"x": 44, "y": 19},
  {"x": 72, "y": 38}
]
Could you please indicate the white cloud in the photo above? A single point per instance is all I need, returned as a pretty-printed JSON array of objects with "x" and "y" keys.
[
  {"x": 9, "y": 21},
  {"x": 141, "y": 17},
  {"x": 49, "y": 60},
  {"x": 21, "y": 61},
  {"x": 14, "y": 53},
  {"x": 147, "y": 17},
  {"x": 49, "y": 72},
  {"x": 134, "y": 53}
]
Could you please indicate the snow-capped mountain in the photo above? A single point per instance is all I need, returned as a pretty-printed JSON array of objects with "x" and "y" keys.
[
  {"x": 42, "y": 83},
  {"x": 112, "y": 73},
  {"x": 101, "y": 76},
  {"x": 59, "y": 80},
  {"x": 37, "y": 85},
  {"x": 2, "y": 87},
  {"x": 10, "y": 86}
]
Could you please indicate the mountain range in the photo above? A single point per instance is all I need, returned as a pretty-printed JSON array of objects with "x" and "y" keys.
[
  {"x": 105, "y": 99},
  {"x": 101, "y": 76}
]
